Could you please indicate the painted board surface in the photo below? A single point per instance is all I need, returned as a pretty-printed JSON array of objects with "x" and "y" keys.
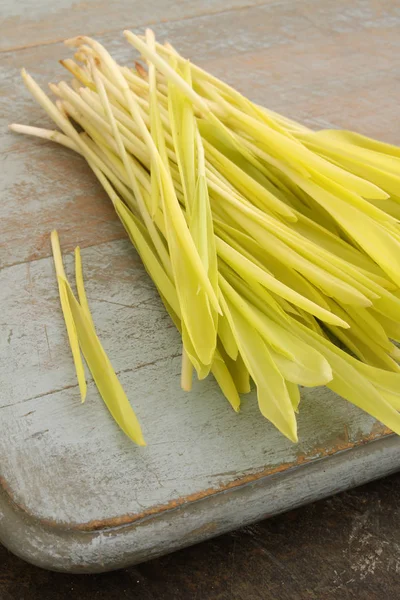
[{"x": 66, "y": 467}]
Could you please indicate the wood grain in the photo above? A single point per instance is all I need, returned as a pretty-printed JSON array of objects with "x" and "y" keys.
[
  {"x": 28, "y": 24},
  {"x": 40, "y": 408},
  {"x": 343, "y": 547},
  {"x": 65, "y": 469},
  {"x": 65, "y": 547},
  {"x": 265, "y": 51}
]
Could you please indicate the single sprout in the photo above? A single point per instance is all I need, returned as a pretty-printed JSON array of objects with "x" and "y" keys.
[{"x": 82, "y": 336}]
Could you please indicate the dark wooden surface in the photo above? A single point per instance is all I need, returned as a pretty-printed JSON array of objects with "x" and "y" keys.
[{"x": 345, "y": 547}]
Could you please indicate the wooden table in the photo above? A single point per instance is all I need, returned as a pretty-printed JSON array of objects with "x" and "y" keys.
[
  {"x": 75, "y": 493},
  {"x": 343, "y": 547}
]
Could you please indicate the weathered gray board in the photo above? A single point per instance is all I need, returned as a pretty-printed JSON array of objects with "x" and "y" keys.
[{"x": 76, "y": 495}]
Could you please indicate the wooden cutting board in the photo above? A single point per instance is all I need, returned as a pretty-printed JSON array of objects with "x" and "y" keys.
[{"x": 75, "y": 494}]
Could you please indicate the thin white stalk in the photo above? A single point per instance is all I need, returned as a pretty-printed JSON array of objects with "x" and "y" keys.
[{"x": 46, "y": 134}]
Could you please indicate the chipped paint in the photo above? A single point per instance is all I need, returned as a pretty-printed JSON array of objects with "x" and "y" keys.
[
  {"x": 74, "y": 476},
  {"x": 155, "y": 511}
]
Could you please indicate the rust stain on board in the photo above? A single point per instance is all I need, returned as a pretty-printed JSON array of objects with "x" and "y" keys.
[{"x": 377, "y": 431}]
